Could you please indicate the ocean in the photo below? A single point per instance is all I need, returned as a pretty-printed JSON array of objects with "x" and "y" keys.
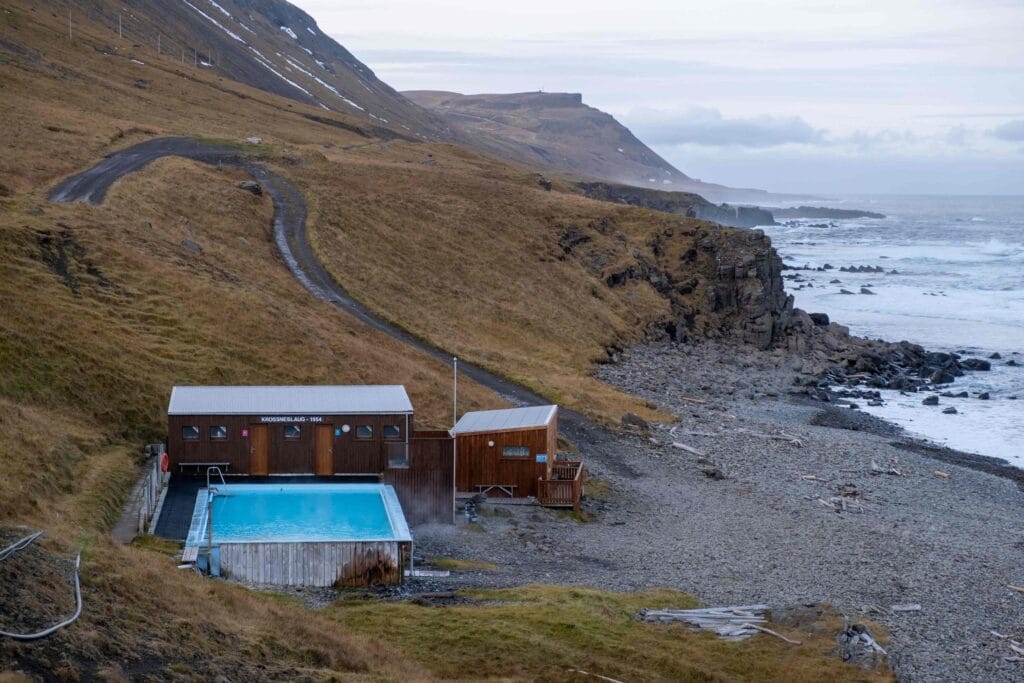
[{"x": 958, "y": 286}]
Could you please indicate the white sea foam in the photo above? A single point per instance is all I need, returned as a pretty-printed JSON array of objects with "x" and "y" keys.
[{"x": 959, "y": 286}]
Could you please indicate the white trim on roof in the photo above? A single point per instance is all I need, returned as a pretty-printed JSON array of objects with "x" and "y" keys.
[
  {"x": 290, "y": 400},
  {"x": 530, "y": 417}
]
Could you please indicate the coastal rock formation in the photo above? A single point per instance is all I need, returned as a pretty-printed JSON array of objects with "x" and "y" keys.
[
  {"x": 680, "y": 203},
  {"x": 822, "y": 212}
]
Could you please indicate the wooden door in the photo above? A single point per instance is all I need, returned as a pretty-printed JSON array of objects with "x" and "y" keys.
[
  {"x": 324, "y": 465},
  {"x": 258, "y": 449}
]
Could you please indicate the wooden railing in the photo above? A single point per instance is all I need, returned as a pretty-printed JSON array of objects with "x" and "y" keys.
[{"x": 565, "y": 487}]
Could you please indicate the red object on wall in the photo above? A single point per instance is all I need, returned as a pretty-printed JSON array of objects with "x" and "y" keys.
[{"x": 165, "y": 462}]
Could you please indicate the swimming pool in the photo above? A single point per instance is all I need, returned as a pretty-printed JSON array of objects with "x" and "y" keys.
[{"x": 302, "y": 534}]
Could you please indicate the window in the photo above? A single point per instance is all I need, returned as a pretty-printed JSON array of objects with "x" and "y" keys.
[
  {"x": 292, "y": 431},
  {"x": 515, "y": 451},
  {"x": 364, "y": 432},
  {"x": 392, "y": 432},
  {"x": 218, "y": 433},
  {"x": 190, "y": 433}
]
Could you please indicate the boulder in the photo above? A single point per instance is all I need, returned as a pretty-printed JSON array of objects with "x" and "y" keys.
[
  {"x": 250, "y": 186},
  {"x": 949, "y": 411},
  {"x": 845, "y": 291},
  {"x": 192, "y": 246},
  {"x": 634, "y": 421},
  {"x": 819, "y": 318},
  {"x": 1011, "y": 363},
  {"x": 865, "y": 290},
  {"x": 975, "y": 364},
  {"x": 996, "y": 356},
  {"x": 941, "y": 376},
  {"x": 984, "y": 396},
  {"x": 930, "y": 401}
]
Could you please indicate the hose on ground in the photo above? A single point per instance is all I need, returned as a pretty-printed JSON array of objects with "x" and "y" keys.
[{"x": 23, "y": 543}]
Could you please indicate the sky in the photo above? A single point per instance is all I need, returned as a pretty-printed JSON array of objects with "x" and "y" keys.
[{"x": 837, "y": 97}]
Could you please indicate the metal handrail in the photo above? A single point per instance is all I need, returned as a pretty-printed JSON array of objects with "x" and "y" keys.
[{"x": 211, "y": 469}]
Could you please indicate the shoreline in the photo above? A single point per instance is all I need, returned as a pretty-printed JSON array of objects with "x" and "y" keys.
[{"x": 743, "y": 514}]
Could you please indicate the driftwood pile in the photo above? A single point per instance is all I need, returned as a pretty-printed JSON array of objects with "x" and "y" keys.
[
  {"x": 857, "y": 645},
  {"x": 730, "y": 623}
]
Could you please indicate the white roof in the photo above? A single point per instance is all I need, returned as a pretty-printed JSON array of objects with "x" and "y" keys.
[
  {"x": 290, "y": 400},
  {"x": 509, "y": 418}
]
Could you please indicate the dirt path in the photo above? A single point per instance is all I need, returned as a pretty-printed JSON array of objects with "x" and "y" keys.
[{"x": 290, "y": 212}]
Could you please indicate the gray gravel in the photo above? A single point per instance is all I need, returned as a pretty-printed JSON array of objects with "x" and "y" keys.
[{"x": 760, "y": 534}]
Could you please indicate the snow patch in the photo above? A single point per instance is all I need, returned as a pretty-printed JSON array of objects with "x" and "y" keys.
[
  {"x": 338, "y": 94},
  {"x": 289, "y": 32},
  {"x": 223, "y": 11},
  {"x": 299, "y": 66},
  {"x": 216, "y": 23},
  {"x": 270, "y": 67},
  {"x": 246, "y": 27},
  {"x": 311, "y": 31},
  {"x": 322, "y": 65},
  {"x": 138, "y": 62},
  {"x": 619, "y": 149},
  {"x": 306, "y": 50}
]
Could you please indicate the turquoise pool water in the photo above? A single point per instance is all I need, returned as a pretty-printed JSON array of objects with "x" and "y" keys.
[{"x": 245, "y": 513}]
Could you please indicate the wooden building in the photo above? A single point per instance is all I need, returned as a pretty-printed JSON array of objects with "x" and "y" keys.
[
  {"x": 326, "y": 431},
  {"x": 505, "y": 452}
]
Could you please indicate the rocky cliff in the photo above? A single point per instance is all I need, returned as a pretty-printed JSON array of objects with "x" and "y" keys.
[{"x": 681, "y": 203}]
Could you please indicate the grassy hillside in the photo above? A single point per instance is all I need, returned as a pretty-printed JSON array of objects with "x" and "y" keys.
[{"x": 174, "y": 279}]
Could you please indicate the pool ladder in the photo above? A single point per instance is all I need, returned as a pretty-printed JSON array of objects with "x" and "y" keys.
[{"x": 211, "y": 470}]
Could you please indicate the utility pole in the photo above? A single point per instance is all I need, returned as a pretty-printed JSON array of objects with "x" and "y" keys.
[
  {"x": 120, "y": 32},
  {"x": 455, "y": 390},
  {"x": 70, "y": 36},
  {"x": 158, "y": 43}
]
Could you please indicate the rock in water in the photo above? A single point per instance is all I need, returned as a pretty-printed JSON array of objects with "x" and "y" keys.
[
  {"x": 949, "y": 411},
  {"x": 820, "y": 319},
  {"x": 975, "y": 364},
  {"x": 865, "y": 290},
  {"x": 931, "y": 401},
  {"x": 984, "y": 396}
]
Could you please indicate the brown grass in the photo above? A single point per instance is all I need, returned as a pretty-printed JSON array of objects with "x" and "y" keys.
[{"x": 542, "y": 632}]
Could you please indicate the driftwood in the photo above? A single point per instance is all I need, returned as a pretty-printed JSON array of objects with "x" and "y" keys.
[
  {"x": 891, "y": 469},
  {"x": 731, "y": 623},
  {"x": 792, "y": 440},
  {"x": 1019, "y": 589},
  {"x": 762, "y": 629},
  {"x": 940, "y": 473},
  {"x": 689, "y": 449},
  {"x": 811, "y": 477},
  {"x": 698, "y": 401},
  {"x": 909, "y": 607},
  {"x": 597, "y": 676},
  {"x": 843, "y": 504}
]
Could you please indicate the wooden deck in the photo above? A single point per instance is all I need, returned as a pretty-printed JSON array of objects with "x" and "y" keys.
[{"x": 565, "y": 487}]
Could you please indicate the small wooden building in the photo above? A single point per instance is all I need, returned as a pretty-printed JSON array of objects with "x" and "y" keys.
[
  {"x": 263, "y": 430},
  {"x": 505, "y": 452},
  {"x": 326, "y": 431}
]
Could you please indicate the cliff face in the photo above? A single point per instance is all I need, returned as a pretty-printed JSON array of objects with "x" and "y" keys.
[
  {"x": 681, "y": 203},
  {"x": 555, "y": 131}
]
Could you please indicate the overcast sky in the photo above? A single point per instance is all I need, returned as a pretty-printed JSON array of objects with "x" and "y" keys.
[{"x": 844, "y": 96}]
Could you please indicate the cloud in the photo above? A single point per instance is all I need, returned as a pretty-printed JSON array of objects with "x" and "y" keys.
[
  {"x": 708, "y": 127},
  {"x": 1012, "y": 131}
]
